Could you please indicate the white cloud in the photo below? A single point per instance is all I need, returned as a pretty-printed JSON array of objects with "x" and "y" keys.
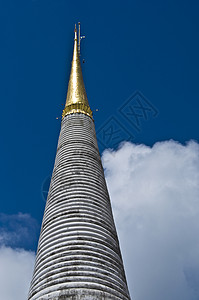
[
  {"x": 16, "y": 264},
  {"x": 16, "y": 267},
  {"x": 18, "y": 230},
  {"x": 155, "y": 198}
]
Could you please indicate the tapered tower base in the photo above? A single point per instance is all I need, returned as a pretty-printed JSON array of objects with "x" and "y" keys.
[{"x": 78, "y": 254}]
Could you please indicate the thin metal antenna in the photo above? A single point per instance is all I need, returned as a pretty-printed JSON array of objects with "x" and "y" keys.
[{"x": 79, "y": 38}]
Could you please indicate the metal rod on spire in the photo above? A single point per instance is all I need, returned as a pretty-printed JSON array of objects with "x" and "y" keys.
[
  {"x": 75, "y": 31},
  {"x": 79, "y": 38}
]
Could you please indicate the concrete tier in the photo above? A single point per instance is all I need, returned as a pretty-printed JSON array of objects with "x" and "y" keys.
[{"x": 78, "y": 256}]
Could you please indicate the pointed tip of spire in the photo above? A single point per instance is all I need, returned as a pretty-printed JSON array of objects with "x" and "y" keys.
[{"x": 75, "y": 31}]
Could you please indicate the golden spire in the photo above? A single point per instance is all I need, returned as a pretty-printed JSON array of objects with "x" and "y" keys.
[{"x": 76, "y": 100}]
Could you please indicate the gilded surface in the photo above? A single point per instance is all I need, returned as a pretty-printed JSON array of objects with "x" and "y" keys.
[
  {"x": 76, "y": 100},
  {"x": 77, "y": 108}
]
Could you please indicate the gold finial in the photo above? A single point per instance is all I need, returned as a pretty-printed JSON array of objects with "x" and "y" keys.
[{"x": 76, "y": 100}]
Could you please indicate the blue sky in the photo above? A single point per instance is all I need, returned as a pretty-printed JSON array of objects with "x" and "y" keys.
[
  {"x": 146, "y": 49},
  {"x": 151, "y": 47}
]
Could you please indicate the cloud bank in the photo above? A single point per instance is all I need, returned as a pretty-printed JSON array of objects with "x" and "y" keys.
[
  {"x": 155, "y": 198},
  {"x": 16, "y": 267},
  {"x": 16, "y": 264},
  {"x": 18, "y": 230}
]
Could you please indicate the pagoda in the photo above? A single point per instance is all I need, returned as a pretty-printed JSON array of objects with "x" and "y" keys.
[{"x": 78, "y": 255}]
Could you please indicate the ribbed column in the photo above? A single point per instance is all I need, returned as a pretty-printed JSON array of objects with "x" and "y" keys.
[{"x": 78, "y": 254}]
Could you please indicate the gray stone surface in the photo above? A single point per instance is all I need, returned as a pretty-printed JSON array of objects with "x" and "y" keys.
[{"x": 78, "y": 256}]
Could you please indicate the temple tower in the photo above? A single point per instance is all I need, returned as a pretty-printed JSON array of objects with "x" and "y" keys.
[{"x": 78, "y": 255}]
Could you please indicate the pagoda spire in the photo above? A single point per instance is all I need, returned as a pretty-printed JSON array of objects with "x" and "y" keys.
[
  {"x": 78, "y": 255},
  {"x": 76, "y": 100}
]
